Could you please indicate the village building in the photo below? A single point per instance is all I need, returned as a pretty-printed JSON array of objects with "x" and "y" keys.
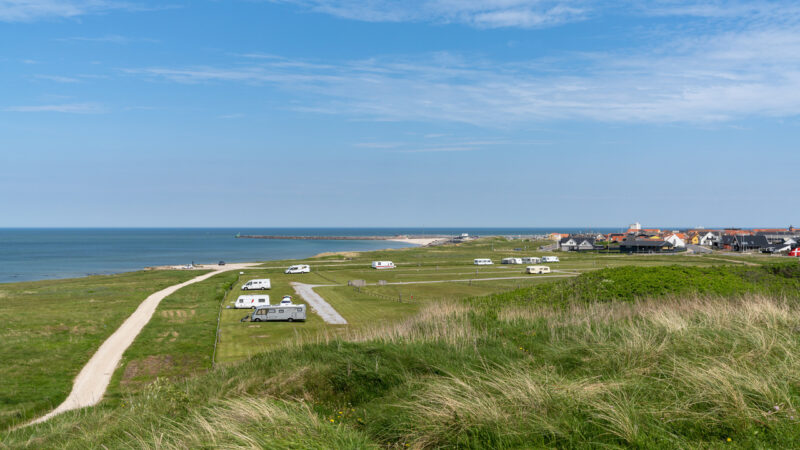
[
  {"x": 741, "y": 243},
  {"x": 632, "y": 244},
  {"x": 675, "y": 240},
  {"x": 577, "y": 243}
]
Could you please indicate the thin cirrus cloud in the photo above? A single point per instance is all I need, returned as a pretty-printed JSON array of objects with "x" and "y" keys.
[
  {"x": 478, "y": 13},
  {"x": 535, "y": 13},
  {"x": 57, "y": 78},
  {"x": 108, "y": 39},
  {"x": 720, "y": 77},
  {"x": 33, "y": 10},
  {"x": 69, "y": 108}
]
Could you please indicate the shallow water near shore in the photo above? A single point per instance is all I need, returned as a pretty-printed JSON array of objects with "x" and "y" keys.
[{"x": 49, "y": 253}]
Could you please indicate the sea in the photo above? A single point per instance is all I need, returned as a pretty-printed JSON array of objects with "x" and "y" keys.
[{"x": 28, "y": 254}]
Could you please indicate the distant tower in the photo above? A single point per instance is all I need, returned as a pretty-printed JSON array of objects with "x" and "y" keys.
[{"x": 635, "y": 226}]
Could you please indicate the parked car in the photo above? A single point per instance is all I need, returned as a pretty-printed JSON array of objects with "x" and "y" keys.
[
  {"x": 288, "y": 313},
  {"x": 222, "y": 263},
  {"x": 299, "y": 268},
  {"x": 259, "y": 284},
  {"x": 537, "y": 269},
  {"x": 251, "y": 301}
]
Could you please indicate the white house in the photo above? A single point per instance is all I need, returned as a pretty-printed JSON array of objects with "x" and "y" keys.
[
  {"x": 709, "y": 239},
  {"x": 577, "y": 243},
  {"x": 676, "y": 241}
]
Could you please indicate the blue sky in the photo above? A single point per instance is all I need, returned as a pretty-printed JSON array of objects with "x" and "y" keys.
[{"x": 399, "y": 113}]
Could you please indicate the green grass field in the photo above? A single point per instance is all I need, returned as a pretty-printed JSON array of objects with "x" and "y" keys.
[
  {"x": 679, "y": 368},
  {"x": 51, "y": 329},
  {"x": 179, "y": 342}
]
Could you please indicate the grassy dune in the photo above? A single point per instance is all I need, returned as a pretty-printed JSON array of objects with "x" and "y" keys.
[{"x": 598, "y": 368}]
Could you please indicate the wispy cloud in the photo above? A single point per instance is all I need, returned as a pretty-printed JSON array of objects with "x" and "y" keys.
[
  {"x": 701, "y": 79},
  {"x": 32, "y": 10},
  {"x": 70, "y": 108},
  {"x": 109, "y": 38},
  {"x": 537, "y": 13},
  {"x": 57, "y": 78},
  {"x": 478, "y": 13}
]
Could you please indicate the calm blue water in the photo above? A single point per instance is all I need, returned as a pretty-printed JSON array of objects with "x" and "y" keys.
[{"x": 37, "y": 254}]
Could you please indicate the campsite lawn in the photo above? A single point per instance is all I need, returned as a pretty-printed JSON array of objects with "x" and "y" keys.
[
  {"x": 420, "y": 270},
  {"x": 51, "y": 328},
  {"x": 179, "y": 339}
]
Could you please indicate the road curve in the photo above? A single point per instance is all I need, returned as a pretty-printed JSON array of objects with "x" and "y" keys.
[
  {"x": 91, "y": 383},
  {"x": 321, "y": 307}
]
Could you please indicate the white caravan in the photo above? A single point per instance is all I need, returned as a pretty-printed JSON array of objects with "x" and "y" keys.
[
  {"x": 260, "y": 284},
  {"x": 280, "y": 312},
  {"x": 531, "y": 260},
  {"x": 537, "y": 269},
  {"x": 550, "y": 259},
  {"x": 512, "y": 261},
  {"x": 483, "y": 262},
  {"x": 299, "y": 268},
  {"x": 251, "y": 301},
  {"x": 382, "y": 265}
]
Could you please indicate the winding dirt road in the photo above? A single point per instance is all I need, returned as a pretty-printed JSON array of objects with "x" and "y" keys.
[{"x": 92, "y": 381}]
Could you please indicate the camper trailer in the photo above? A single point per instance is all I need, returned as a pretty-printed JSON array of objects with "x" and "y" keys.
[
  {"x": 253, "y": 285},
  {"x": 251, "y": 301},
  {"x": 537, "y": 269},
  {"x": 280, "y": 312},
  {"x": 299, "y": 268},
  {"x": 382, "y": 265},
  {"x": 483, "y": 262},
  {"x": 550, "y": 259},
  {"x": 531, "y": 260},
  {"x": 512, "y": 261}
]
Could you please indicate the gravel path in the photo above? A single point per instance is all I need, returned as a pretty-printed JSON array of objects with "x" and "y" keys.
[
  {"x": 320, "y": 306},
  {"x": 91, "y": 383}
]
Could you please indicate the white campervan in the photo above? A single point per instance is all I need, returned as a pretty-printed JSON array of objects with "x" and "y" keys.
[
  {"x": 531, "y": 260},
  {"x": 251, "y": 301},
  {"x": 299, "y": 268},
  {"x": 511, "y": 261},
  {"x": 483, "y": 262},
  {"x": 537, "y": 269},
  {"x": 260, "y": 284},
  {"x": 382, "y": 265},
  {"x": 272, "y": 313},
  {"x": 550, "y": 259}
]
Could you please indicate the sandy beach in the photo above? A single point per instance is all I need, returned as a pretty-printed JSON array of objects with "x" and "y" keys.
[{"x": 417, "y": 241}]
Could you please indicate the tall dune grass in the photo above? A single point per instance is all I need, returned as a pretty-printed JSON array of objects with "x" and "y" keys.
[{"x": 670, "y": 372}]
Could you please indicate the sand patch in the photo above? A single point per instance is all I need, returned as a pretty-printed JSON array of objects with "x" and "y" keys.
[
  {"x": 168, "y": 336},
  {"x": 178, "y": 315},
  {"x": 149, "y": 367},
  {"x": 342, "y": 254}
]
